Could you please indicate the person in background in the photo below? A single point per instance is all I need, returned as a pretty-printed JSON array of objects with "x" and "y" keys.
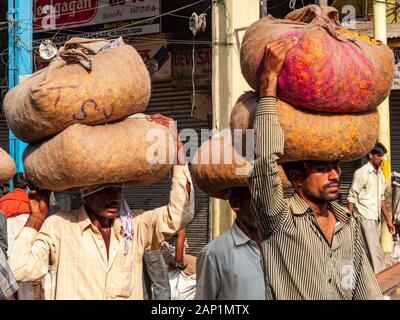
[
  {"x": 15, "y": 205},
  {"x": 3, "y": 233},
  {"x": 367, "y": 201},
  {"x": 155, "y": 273},
  {"x": 60, "y": 201},
  {"x": 8, "y": 284},
  {"x": 230, "y": 267},
  {"x": 181, "y": 269}
]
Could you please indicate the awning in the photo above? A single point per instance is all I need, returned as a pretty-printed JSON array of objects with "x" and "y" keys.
[{"x": 367, "y": 28}]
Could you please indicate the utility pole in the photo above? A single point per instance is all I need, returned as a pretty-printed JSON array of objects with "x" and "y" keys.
[
  {"x": 322, "y": 3},
  {"x": 379, "y": 11},
  {"x": 19, "y": 60}
]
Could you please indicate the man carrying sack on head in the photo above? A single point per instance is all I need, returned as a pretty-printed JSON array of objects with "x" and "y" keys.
[
  {"x": 313, "y": 248},
  {"x": 97, "y": 250}
]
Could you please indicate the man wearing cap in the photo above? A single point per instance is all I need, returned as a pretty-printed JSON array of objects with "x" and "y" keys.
[{"x": 97, "y": 250}]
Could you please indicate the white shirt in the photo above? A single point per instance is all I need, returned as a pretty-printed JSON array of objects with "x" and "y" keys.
[{"x": 368, "y": 191}]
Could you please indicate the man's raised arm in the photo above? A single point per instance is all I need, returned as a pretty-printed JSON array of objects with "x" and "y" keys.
[{"x": 265, "y": 185}]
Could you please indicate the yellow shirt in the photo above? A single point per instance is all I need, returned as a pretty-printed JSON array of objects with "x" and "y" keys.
[{"x": 76, "y": 251}]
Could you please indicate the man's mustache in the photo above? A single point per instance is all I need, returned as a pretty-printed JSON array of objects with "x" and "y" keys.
[{"x": 335, "y": 183}]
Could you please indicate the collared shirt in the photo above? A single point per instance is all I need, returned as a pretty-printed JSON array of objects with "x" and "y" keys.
[
  {"x": 230, "y": 268},
  {"x": 368, "y": 191},
  {"x": 299, "y": 263},
  {"x": 75, "y": 249},
  {"x": 8, "y": 284}
]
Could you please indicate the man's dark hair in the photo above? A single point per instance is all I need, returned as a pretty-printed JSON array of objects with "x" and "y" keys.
[
  {"x": 379, "y": 148},
  {"x": 19, "y": 181},
  {"x": 294, "y": 165},
  {"x": 239, "y": 192}
]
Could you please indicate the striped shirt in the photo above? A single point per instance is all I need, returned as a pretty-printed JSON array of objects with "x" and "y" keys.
[
  {"x": 8, "y": 284},
  {"x": 298, "y": 261}
]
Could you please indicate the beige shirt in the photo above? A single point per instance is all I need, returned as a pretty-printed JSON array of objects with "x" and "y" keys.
[
  {"x": 368, "y": 191},
  {"x": 75, "y": 249}
]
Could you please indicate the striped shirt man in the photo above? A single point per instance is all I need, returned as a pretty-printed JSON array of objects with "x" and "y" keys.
[{"x": 298, "y": 261}]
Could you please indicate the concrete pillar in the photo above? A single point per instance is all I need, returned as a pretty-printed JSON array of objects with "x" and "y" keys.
[
  {"x": 227, "y": 80},
  {"x": 379, "y": 11}
]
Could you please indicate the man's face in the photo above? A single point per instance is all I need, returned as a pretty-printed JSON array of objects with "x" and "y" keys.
[
  {"x": 321, "y": 181},
  {"x": 376, "y": 159},
  {"x": 105, "y": 203},
  {"x": 240, "y": 200}
]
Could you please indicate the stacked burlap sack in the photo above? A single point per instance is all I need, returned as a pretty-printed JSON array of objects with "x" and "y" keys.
[
  {"x": 330, "y": 86},
  {"x": 76, "y": 116},
  {"x": 7, "y": 167}
]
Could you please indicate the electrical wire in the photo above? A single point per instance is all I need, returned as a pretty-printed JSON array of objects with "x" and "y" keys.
[
  {"x": 21, "y": 45},
  {"x": 141, "y": 21},
  {"x": 159, "y": 16}
]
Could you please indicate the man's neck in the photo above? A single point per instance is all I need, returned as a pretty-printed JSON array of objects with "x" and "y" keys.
[
  {"x": 99, "y": 222},
  {"x": 375, "y": 167},
  {"x": 320, "y": 208}
]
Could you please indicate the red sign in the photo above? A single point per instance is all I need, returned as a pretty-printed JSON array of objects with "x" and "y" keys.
[{"x": 51, "y": 14}]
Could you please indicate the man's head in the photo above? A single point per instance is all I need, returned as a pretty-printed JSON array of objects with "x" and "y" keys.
[
  {"x": 104, "y": 202},
  {"x": 19, "y": 181},
  {"x": 377, "y": 154},
  {"x": 318, "y": 181},
  {"x": 239, "y": 200}
]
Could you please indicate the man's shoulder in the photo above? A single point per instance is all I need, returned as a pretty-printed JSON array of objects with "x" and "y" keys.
[
  {"x": 363, "y": 169},
  {"x": 60, "y": 218},
  {"x": 222, "y": 244}
]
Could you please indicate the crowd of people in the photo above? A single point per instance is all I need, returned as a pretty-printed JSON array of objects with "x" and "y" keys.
[{"x": 303, "y": 247}]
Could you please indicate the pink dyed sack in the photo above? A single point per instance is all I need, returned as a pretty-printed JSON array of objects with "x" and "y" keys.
[{"x": 330, "y": 69}]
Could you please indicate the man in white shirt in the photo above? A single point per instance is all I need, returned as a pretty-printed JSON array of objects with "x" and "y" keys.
[{"x": 367, "y": 198}]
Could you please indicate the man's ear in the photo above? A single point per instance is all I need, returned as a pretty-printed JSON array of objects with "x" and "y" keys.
[
  {"x": 296, "y": 177},
  {"x": 369, "y": 156}
]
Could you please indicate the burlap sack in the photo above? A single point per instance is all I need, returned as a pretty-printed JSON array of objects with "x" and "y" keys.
[
  {"x": 330, "y": 69},
  {"x": 312, "y": 135},
  {"x": 7, "y": 167},
  {"x": 84, "y": 155},
  {"x": 219, "y": 167},
  {"x": 81, "y": 85}
]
